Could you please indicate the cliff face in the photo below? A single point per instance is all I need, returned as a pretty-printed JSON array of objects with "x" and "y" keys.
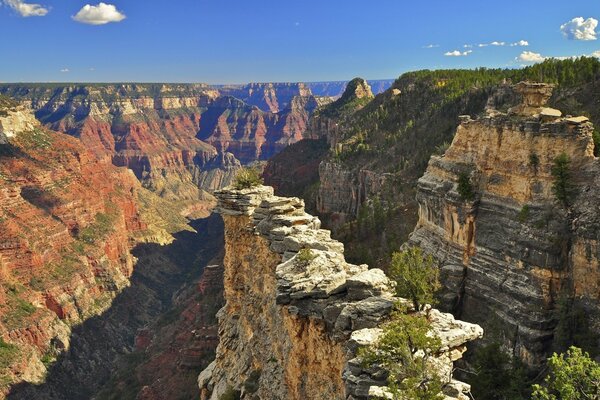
[
  {"x": 251, "y": 134},
  {"x": 291, "y": 329},
  {"x": 511, "y": 251},
  {"x": 271, "y": 97},
  {"x": 67, "y": 225}
]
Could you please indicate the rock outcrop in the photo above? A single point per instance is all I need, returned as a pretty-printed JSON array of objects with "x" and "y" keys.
[
  {"x": 509, "y": 251},
  {"x": 291, "y": 326}
]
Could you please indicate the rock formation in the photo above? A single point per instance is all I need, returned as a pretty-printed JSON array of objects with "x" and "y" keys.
[
  {"x": 508, "y": 253},
  {"x": 180, "y": 140},
  {"x": 291, "y": 327},
  {"x": 67, "y": 224}
]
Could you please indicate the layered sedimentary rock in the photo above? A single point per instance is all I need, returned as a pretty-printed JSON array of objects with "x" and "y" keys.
[
  {"x": 272, "y": 97},
  {"x": 509, "y": 251},
  {"x": 180, "y": 140},
  {"x": 251, "y": 134},
  {"x": 291, "y": 327},
  {"x": 67, "y": 224}
]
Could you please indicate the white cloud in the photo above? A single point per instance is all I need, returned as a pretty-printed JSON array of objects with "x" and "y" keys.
[
  {"x": 467, "y": 46},
  {"x": 580, "y": 29},
  {"x": 27, "y": 9},
  {"x": 458, "y": 53},
  {"x": 482, "y": 45},
  {"x": 497, "y": 44},
  {"x": 65, "y": 70},
  {"x": 522, "y": 43},
  {"x": 530, "y": 57},
  {"x": 99, "y": 15},
  {"x": 431, "y": 46},
  {"x": 596, "y": 54}
]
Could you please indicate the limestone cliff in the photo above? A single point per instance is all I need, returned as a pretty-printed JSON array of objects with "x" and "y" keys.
[
  {"x": 290, "y": 329},
  {"x": 511, "y": 250}
]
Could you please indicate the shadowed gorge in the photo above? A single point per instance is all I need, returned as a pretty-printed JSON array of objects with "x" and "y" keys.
[{"x": 102, "y": 343}]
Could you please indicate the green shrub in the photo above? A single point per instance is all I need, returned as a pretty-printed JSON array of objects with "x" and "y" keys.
[
  {"x": 305, "y": 257},
  {"x": 572, "y": 376},
  {"x": 596, "y": 137},
  {"x": 247, "y": 178},
  {"x": 465, "y": 188},
  {"x": 251, "y": 384},
  {"x": 440, "y": 149},
  {"x": 230, "y": 394},
  {"x": 100, "y": 228},
  {"x": 404, "y": 349},
  {"x": 8, "y": 353},
  {"x": 524, "y": 214},
  {"x": 534, "y": 161},
  {"x": 497, "y": 376},
  {"x": 562, "y": 187},
  {"x": 416, "y": 276}
]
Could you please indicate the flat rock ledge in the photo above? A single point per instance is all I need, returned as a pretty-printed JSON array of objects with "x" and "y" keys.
[{"x": 352, "y": 300}]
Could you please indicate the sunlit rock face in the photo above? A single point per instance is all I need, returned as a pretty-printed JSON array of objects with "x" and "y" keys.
[
  {"x": 291, "y": 328},
  {"x": 181, "y": 141},
  {"x": 508, "y": 253}
]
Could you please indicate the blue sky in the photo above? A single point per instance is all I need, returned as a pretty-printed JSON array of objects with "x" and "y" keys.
[{"x": 234, "y": 41}]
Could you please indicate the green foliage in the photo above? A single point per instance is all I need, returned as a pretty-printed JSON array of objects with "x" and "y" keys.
[
  {"x": 465, "y": 188},
  {"x": 416, "y": 276},
  {"x": 534, "y": 161},
  {"x": 524, "y": 213},
  {"x": 8, "y": 353},
  {"x": 247, "y": 178},
  {"x": 99, "y": 229},
  {"x": 572, "y": 376},
  {"x": 404, "y": 349},
  {"x": 230, "y": 394},
  {"x": 562, "y": 186},
  {"x": 497, "y": 376},
  {"x": 573, "y": 328},
  {"x": 35, "y": 139},
  {"x": 596, "y": 137},
  {"x": 440, "y": 149},
  {"x": 304, "y": 257},
  {"x": 251, "y": 384},
  {"x": 17, "y": 310}
]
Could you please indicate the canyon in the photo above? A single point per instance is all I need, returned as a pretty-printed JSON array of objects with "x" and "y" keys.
[
  {"x": 119, "y": 281},
  {"x": 104, "y": 244}
]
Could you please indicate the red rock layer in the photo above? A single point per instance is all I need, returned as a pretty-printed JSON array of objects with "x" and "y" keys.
[{"x": 66, "y": 223}]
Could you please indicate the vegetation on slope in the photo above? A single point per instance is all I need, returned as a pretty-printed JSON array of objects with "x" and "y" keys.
[{"x": 398, "y": 131}]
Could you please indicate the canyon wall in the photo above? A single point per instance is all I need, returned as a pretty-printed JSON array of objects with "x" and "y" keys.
[
  {"x": 67, "y": 224},
  {"x": 510, "y": 250},
  {"x": 182, "y": 141},
  {"x": 94, "y": 277},
  {"x": 290, "y": 329}
]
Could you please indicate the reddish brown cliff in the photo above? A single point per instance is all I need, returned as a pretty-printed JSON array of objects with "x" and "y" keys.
[{"x": 67, "y": 225}]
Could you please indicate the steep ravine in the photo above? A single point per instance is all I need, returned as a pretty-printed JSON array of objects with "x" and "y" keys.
[
  {"x": 102, "y": 343},
  {"x": 89, "y": 271}
]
